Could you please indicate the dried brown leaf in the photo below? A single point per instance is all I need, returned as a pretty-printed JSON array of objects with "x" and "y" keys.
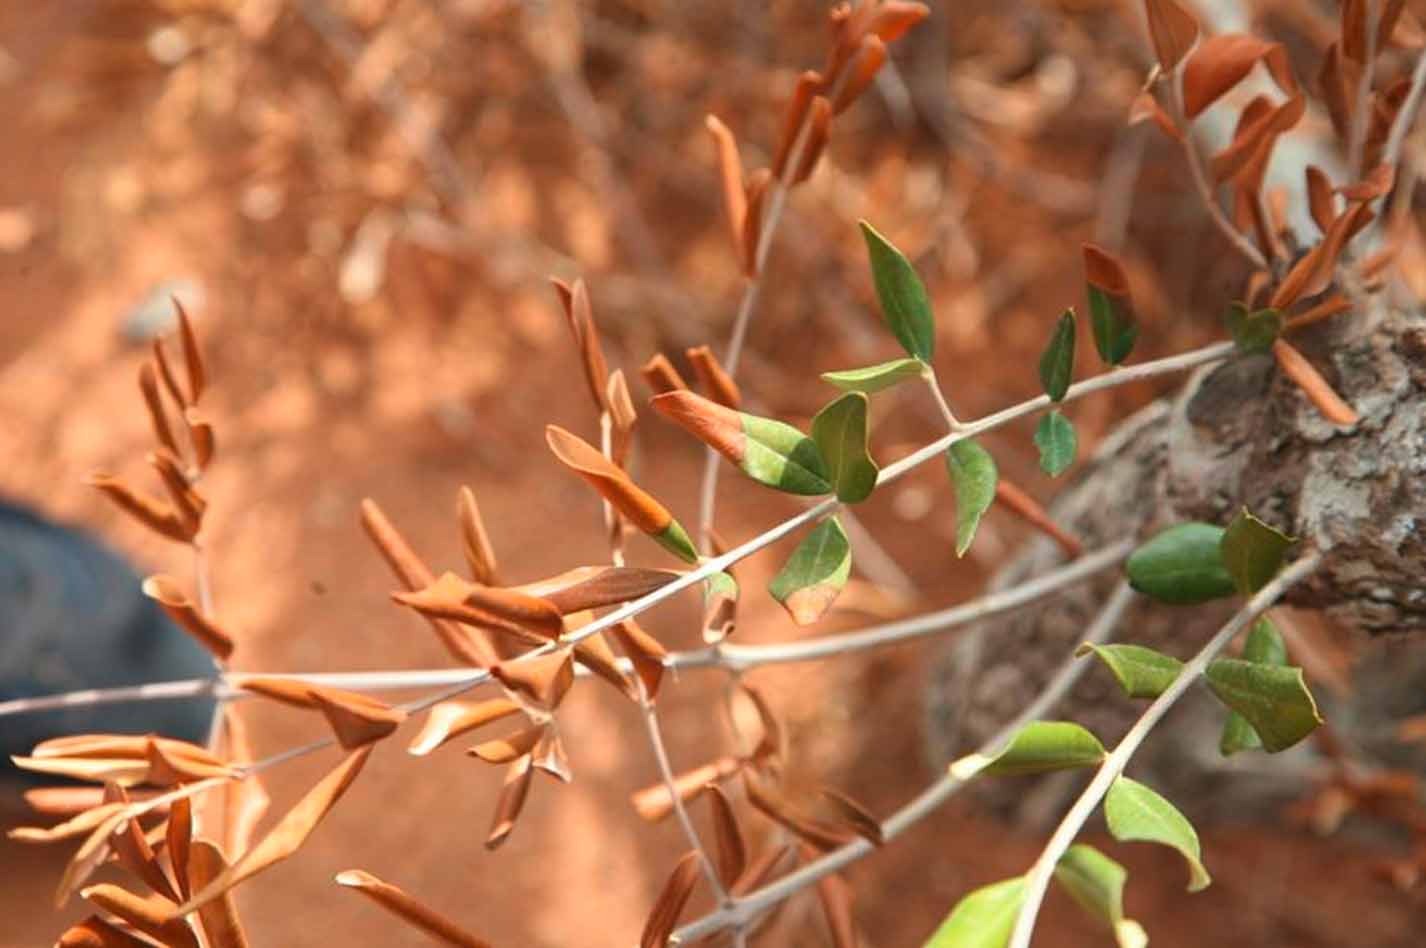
[
  {"x": 819, "y": 833},
  {"x": 622, "y": 415},
  {"x": 1145, "y": 108},
  {"x": 890, "y": 20},
  {"x": 1317, "y": 389},
  {"x": 503, "y": 750},
  {"x": 153, "y": 401},
  {"x": 645, "y": 652},
  {"x": 1220, "y": 63},
  {"x": 772, "y": 744},
  {"x": 475, "y": 542},
  {"x": 90, "y": 855},
  {"x": 166, "y": 376},
  {"x": 200, "y": 432},
  {"x": 451, "y": 719},
  {"x": 1018, "y": 502},
  {"x": 590, "y": 587},
  {"x": 186, "y": 500},
  {"x": 192, "y": 355},
  {"x": 151, "y": 512},
  {"x": 1377, "y": 183},
  {"x": 580, "y": 315},
  {"x": 543, "y": 679},
  {"x": 1319, "y": 198},
  {"x": 595, "y": 654},
  {"x": 713, "y": 378},
  {"x": 861, "y": 71},
  {"x": 820, "y": 117},
  {"x": 836, "y": 897},
  {"x": 122, "y": 770},
  {"x": 179, "y": 839},
  {"x": 167, "y": 768},
  {"x": 219, "y": 917},
  {"x": 653, "y": 803},
  {"x": 730, "y": 173},
  {"x": 660, "y": 375},
  {"x": 83, "y": 822},
  {"x": 151, "y": 915},
  {"x": 511, "y": 802},
  {"x": 716, "y": 426},
  {"x": 611, "y": 482},
  {"x": 409, "y": 909},
  {"x": 1245, "y": 157},
  {"x": 1312, "y": 274},
  {"x": 166, "y": 591},
  {"x": 119, "y": 745},
  {"x": 1338, "y": 78},
  {"x": 133, "y": 852},
  {"x": 732, "y": 850},
  {"x": 356, "y": 719},
  {"x": 760, "y": 872},
  {"x": 855, "y": 815},
  {"x": 94, "y": 932},
  {"x": 289, "y": 834},
  {"x": 243, "y": 802},
  {"x": 505, "y": 610},
  {"x": 759, "y": 184},
  {"x": 1172, "y": 29},
  {"x": 549, "y": 755},
  {"x": 670, "y": 903},
  {"x": 809, "y": 84},
  {"x": 1354, "y": 30}
]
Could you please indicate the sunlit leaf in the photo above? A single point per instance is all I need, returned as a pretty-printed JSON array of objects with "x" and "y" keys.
[
  {"x": 874, "y": 378},
  {"x": 1253, "y": 331},
  {"x": 1135, "y": 813},
  {"x": 1274, "y": 699},
  {"x": 1037, "y": 747},
  {"x": 1181, "y": 565},
  {"x": 973, "y": 478},
  {"x": 840, "y": 432},
  {"x": 1141, "y": 672},
  {"x": 220, "y": 919},
  {"x": 1094, "y": 881},
  {"x": 983, "y": 919},
  {"x": 1055, "y": 438},
  {"x": 1057, "y": 361},
  {"x": 815, "y": 573},
  {"x": 452, "y": 718},
  {"x": 1252, "y": 552},
  {"x": 903, "y": 297},
  {"x": 771, "y": 452},
  {"x": 409, "y": 909}
]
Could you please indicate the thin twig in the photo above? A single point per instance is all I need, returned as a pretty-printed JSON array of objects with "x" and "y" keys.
[
  {"x": 1038, "y": 878},
  {"x": 747, "y": 908}
]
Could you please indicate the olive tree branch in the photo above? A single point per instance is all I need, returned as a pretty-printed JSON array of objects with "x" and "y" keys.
[{"x": 1038, "y": 878}]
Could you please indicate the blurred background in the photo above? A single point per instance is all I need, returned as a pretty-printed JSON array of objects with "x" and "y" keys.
[{"x": 361, "y": 201}]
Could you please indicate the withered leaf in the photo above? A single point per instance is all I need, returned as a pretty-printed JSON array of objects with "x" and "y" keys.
[
  {"x": 200, "y": 432},
  {"x": 645, "y": 652},
  {"x": 836, "y": 897},
  {"x": 623, "y": 416},
  {"x": 670, "y": 903},
  {"x": 94, "y": 932},
  {"x": 179, "y": 838},
  {"x": 290, "y": 832},
  {"x": 855, "y": 815},
  {"x": 1296, "y": 367},
  {"x": 83, "y": 822},
  {"x": 89, "y": 856},
  {"x": 860, "y": 72},
  {"x": 820, "y": 118},
  {"x": 1221, "y": 62},
  {"x": 549, "y": 755},
  {"x": 1320, "y": 199},
  {"x": 525, "y": 618},
  {"x": 153, "y": 401},
  {"x": 150, "y": 915},
  {"x": 579, "y": 313},
  {"x": 730, "y": 173},
  {"x": 192, "y": 355},
  {"x": 1172, "y": 30},
  {"x": 475, "y": 542},
  {"x": 653, "y": 802},
  {"x": 166, "y": 768},
  {"x": 166, "y": 591},
  {"x": 732, "y": 850},
  {"x": 543, "y": 679},
  {"x": 763, "y": 868},
  {"x": 591, "y": 587},
  {"x": 152, "y": 513},
  {"x": 219, "y": 917},
  {"x": 1311, "y": 275},
  {"x": 892, "y": 18},
  {"x": 356, "y": 719},
  {"x": 759, "y": 183},
  {"x": 511, "y": 802},
  {"x": 451, "y": 719},
  {"x": 808, "y": 85},
  {"x": 134, "y": 853},
  {"x": 243, "y": 802},
  {"x": 409, "y": 909},
  {"x": 819, "y": 833},
  {"x": 660, "y": 375},
  {"x": 1376, "y": 183},
  {"x": 595, "y": 654},
  {"x": 713, "y": 378},
  {"x": 119, "y": 745},
  {"x": 122, "y": 770},
  {"x": 503, "y": 750}
]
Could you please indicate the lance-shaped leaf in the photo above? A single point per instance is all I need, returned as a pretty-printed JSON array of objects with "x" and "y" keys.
[
  {"x": 973, "y": 478},
  {"x": 1252, "y": 552},
  {"x": 475, "y": 542},
  {"x": 1221, "y": 62},
  {"x": 903, "y": 297},
  {"x": 653, "y": 802},
  {"x": 645, "y": 652},
  {"x": 1057, "y": 361},
  {"x": 133, "y": 852},
  {"x": 836, "y": 897},
  {"x": 152, "y": 513},
  {"x": 1253, "y": 331},
  {"x": 874, "y": 378},
  {"x": 219, "y": 917},
  {"x": 860, "y": 72},
  {"x": 1055, "y": 438},
  {"x": 808, "y": 85},
  {"x": 1038, "y": 747},
  {"x": 357, "y": 719},
  {"x": 713, "y": 378},
  {"x": 90, "y": 855},
  {"x": 289, "y": 834},
  {"x": 823, "y": 834},
  {"x": 660, "y": 375},
  {"x": 179, "y": 838},
  {"x": 815, "y": 573},
  {"x": 1317, "y": 389},
  {"x": 94, "y": 932},
  {"x": 1141, "y": 672},
  {"x": 855, "y": 815},
  {"x": 759, "y": 183},
  {"x": 730, "y": 168},
  {"x": 147, "y": 914},
  {"x": 575, "y": 301},
  {"x": 615, "y": 486},
  {"x": 451, "y": 719},
  {"x": 1172, "y": 30},
  {"x": 731, "y": 849},
  {"x": 543, "y": 679},
  {"x": 770, "y": 452},
  {"x": 592, "y": 587},
  {"x": 1264, "y": 646},
  {"x": 670, "y": 903},
  {"x": 595, "y": 654},
  {"x": 1135, "y": 813},
  {"x": 529, "y": 619},
  {"x": 192, "y": 355},
  {"x": 409, "y": 909},
  {"x": 1096, "y": 883},
  {"x": 840, "y": 431},
  {"x": 984, "y": 918},
  {"x": 79, "y": 823},
  {"x": 1273, "y": 698},
  {"x": 1181, "y": 565},
  {"x": 166, "y": 591},
  {"x": 1111, "y": 309},
  {"x": 512, "y": 800}
]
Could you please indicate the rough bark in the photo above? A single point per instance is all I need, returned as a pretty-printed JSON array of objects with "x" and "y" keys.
[{"x": 1239, "y": 434}]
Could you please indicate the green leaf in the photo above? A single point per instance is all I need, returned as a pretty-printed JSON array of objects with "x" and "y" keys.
[
  {"x": 815, "y": 573},
  {"x": 1265, "y": 646},
  {"x": 983, "y": 919},
  {"x": 1057, "y": 443},
  {"x": 1094, "y": 881},
  {"x": 973, "y": 476},
  {"x": 1252, "y": 552},
  {"x": 1037, "y": 747},
  {"x": 903, "y": 298},
  {"x": 874, "y": 378},
  {"x": 1253, "y": 332},
  {"x": 841, "y": 436},
  {"x": 1112, "y": 320},
  {"x": 675, "y": 539},
  {"x": 720, "y": 586},
  {"x": 1136, "y": 813},
  {"x": 1057, "y": 362},
  {"x": 1181, "y": 565},
  {"x": 1141, "y": 672},
  {"x": 1274, "y": 699},
  {"x": 779, "y": 456}
]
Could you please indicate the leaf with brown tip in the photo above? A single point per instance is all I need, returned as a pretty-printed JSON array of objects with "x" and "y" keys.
[
  {"x": 855, "y": 815},
  {"x": 475, "y": 542},
  {"x": 670, "y": 903},
  {"x": 356, "y": 719},
  {"x": 713, "y": 378},
  {"x": 511, "y": 802},
  {"x": 94, "y": 932},
  {"x": 592, "y": 587},
  {"x": 166, "y": 591},
  {"x": 503, "y": 750},
  {"x": 219, "y": 917},
  {"x": 150, "y": 915},
  {"x": 660, "y": 375},
  {"x": 152, "y": 513},
  {"x": 732, "y": 850},
  {"x": 1317, "y": 389},
  {"x": 450, "y": 719},
  {"x": 543, "y": 679},
  {"x": 409, "y": 909},
  {"x": 653, "y": 802},
  {"x": 730, "y": 173},
  {"x": 289, "y": 834},
  {"x": 645, "y": 652},
  {"x": 1172, "y": 29}
]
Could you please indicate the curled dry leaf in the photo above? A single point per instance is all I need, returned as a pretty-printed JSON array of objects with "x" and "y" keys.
[
  {"x": 1018, "y": 502},
  {"x": 166, "y": 591},
  {"x": 820, "y": 130},
  {"x": 809, "y": 84},
  {"x": 94, "y": 932},
  {"x": 166, "y": 376},
  {"x": 549, "y": 755},
  {"x": 220, "y": 919},
  {"x": 356, "y": 719},
  {"x": 65, "y": 801},
  {"x": 590, "y": 587},
  {"x": 1319, "y": 198},
  {"x": 503, "y": 750},
  {"x": 759, "y": 183},
  {"x": 623, "y": 416},
  {"x": 409, "y": 909},
  {"x": 730, "y": 172},
  {"x": 151, "y": 915},
  {"x": 124, "y": 771},
  {"x": 200, "y": 432},
  {"x": 151, "y": 512},
  {"x": 153, "y": 401},
  {"x": 860, "y": 72},
  {"x": 653, "y": 803},
  {"x": 511, "y": 802},
  {"x": 1172, "y": 29},
  {"x": 1296, "y": 367},
  {"x": 288, "y": 835},
  {"x": 192, "y": 355},
  {"x": 822, "y": 834},
  {"x": 543, "y": 679},
  {"x": 179, "y": 839},
  {"x": 241, "y": 803},
  {"x": 475, "y": 542},
  {"x": 713, "y": 378},
  {"x": 670, "y": 903},
  {"x": 469, "y": 646},
  {"x": 1221, "y": 62},
  {"x": 1377, "y": 183},
  {"x": 890, "y": 20},
  {"x": 660, "y": 375},
  {"x": 168, "y": 769},
  {"x": 645, "y": 652},
  {"x": 133, "y": 852},
  {"x": 577, "y": 310},
  {"x": 450, "y": 719},
  {"x": 595, "y": 654},
  {"x": 79, "y": 823},
  {"x": 1254, "y": 139},
  {"x": 186, "y": 499},
  {"x": 732, "y": 850},
  {"x": 1338, "y": 79},
  {"x": 90, "y": 855},
  {"x": 1311, "y": 275},
  {"x": 111, "y": 746},
  {"x": 762, "y": 869},
  {"x": 1145, "y": 108},
  {"x": 836, "y": 897},
  {"x": 855, "y": 815},
  {"x": 528, "y": 619}
]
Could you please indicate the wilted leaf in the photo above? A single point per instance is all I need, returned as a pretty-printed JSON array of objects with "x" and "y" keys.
[
  {"x": 670, "y": 903},
  {"x": 1253, "y": 331},
  {"x": 1265, "y": 646},
  {"x": 1181, "y": 565},
  {"x": 1317, "y": 389},
  {"x": 822, "y": 834},
  {"x": 166, "y": 591},
  {"x": 152, "y": 513},
  {"x": 732, "y": 850},
  {"x": 653, "y": 803},
  {"x": 1037, "y": 747},
  {"x": 856, "y": 816},
  {"x": 220, "y": 917},
  {"x": 1141, "y": 672},
  {"x": 149, "y": 915},
  {"x": 840, "y": 432},
  {"x": 973, "y": 478},
  {"x": 720, "y": 606},
  {"x": 453, "y": 718},
  {"x": 503, "y": 750},
  {"x": 808, "y": 85},
  {"x": 860, "y": 72},
  {"x": 713, "y": 378},
  {"x": 1221, "y": 62},
  {"x": 815, "y": 573},
  {"x": 549, "y": 755},
  {"x": 580, "y": 316},
  {"x": 836, "y": 897},
  {"x": 356, "y": 719},
  {"x": 730, "y": 169},
  {"x": 475, "y": 542},
  {"x": 1172, "y": 30},
  {"x": 83, "y": 822},
  {"x": 874, "y": 378},
  {"x": 903, "y": 297},
  {"x": 1055, "y": 438},
  {"x": 1274, "y": 699},
  {"x": 984, "y": 918},
  {"x": 1111, "y": 310},
  {"x": 1312, "y": 274},
  {"x": 192, "y": 355},
  {"x": 1057, "y": 361},
  {"x": 644, "y": 651},
  {"x": 543, "y": 679},
  {"x": 592, "y": 587},
  {"x": 94, "y": 932},
  {"x": 409, "y": 909},
  {"x": 529, "y": 619},
  {"x": 660, "y": 375},
  {"x": 1252, "y": 552},
  {"x": 1135, "y": 813}
]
